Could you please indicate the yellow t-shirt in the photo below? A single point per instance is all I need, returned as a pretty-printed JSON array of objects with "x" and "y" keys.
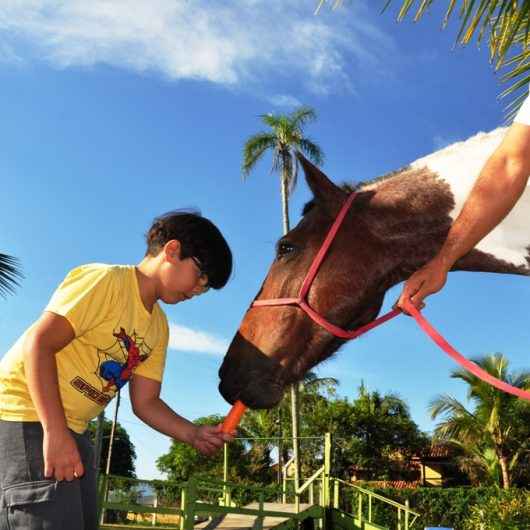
[{"x": 115, "y": 336}]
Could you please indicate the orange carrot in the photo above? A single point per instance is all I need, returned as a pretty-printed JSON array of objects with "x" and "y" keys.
[{"x": 234, "y": 417}]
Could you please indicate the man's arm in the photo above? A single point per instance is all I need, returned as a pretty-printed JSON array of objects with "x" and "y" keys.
[
  {"x": 50, "y": 335},
  {"x": 499, "y": 186},
  {"x": 147, "y": 405}
]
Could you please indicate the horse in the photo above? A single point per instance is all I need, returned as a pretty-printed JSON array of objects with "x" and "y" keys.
[{"x": 394, "y": 225}]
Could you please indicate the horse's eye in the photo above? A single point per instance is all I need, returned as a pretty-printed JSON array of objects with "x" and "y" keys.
[{"x": 284, "y": 248}]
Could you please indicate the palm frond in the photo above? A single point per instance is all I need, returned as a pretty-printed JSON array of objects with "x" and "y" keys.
[
  {"x": 272, "y": 120},
  {"x": 10, "y": 274},
  {"x": 302, "y": 116},
  {"x": 254, "y": 148},
  {"x": 503, "y": 17},
  {"x": 335, "y": 5},
  {"x": 312, "y": 151},
  {"x": 445, "y": 404},
  {"x": 505, "y": 23},
  {"x": 285, "y": 137}
]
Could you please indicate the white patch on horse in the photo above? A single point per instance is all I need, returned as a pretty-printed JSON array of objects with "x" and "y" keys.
[{"x": 459, "y": 165}]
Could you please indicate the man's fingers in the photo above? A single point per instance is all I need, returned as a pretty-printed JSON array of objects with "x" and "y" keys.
[
  {"x": 418, "y": 298},
  {"x": 411, "y": 289}
]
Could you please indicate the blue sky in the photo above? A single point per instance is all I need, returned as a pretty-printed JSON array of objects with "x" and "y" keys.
[{"x": 112, "y": 113}]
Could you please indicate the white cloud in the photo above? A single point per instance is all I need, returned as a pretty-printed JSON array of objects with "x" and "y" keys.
[
  {"x": 230, "y": 43},
  {"x": 284, "y": 100},
  {"x": 8, "y": 55},
  {"x": 186, "y": 339}
]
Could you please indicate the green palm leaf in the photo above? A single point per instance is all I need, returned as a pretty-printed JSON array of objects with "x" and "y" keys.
[
  {"x": 9, "y": 274},
  {"x": 495, "y": 433},
  {"x": 286, "y": 136},
  {"x": 312, "y": 151},
  {"x": 302, "y": 116},
  {"x": 254, "y": 149}
]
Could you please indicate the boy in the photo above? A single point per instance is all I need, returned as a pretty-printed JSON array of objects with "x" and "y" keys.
[{"x": 101, "y": 329}]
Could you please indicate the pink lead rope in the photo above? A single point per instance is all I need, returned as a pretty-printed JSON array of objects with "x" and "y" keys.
[
  {"x": 461, "y": 360},
  {"x": 301, "y": 302}
]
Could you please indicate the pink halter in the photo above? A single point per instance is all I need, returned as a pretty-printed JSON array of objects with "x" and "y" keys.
[{"x": 301, "y": 302}]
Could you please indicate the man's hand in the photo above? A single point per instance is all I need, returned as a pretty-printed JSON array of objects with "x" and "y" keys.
[
  {"x": 61, "y": 456},
  {"x": 209, "y": 439},
  {"x": 427, "y": 280}
]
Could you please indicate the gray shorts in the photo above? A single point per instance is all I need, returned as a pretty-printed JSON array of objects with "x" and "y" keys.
[{"x": 28, "y": 501}]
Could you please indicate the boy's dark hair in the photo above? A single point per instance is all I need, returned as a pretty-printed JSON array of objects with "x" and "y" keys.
[{"x": 198, "y": 237}]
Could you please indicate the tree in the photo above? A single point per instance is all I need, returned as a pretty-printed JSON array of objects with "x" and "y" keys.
[
  {"x": 123, "y": 453},
  {"x": 372, "y": 432},
  {"x": 9, "y": 274},
  {"x": 183, "y": 461},
  {"x": 495, "y": 435},
  {"x": 284, "y": 140},
  {"x": 505, "y": 23},
  {"x": 286, "y": 137}
]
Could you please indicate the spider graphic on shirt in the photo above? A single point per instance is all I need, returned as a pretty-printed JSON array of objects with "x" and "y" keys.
[{"x": 132, "y": 349}]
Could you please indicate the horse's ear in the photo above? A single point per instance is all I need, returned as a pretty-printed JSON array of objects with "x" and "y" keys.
[{"x": 325, "y": 191}]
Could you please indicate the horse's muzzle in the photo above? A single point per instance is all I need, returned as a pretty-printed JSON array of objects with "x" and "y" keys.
[{"x": 249, "y": 375}]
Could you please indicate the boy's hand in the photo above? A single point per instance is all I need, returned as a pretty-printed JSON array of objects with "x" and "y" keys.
[
  {"x": 61, "y": 456},
  {"x": 208, "y": 439}
]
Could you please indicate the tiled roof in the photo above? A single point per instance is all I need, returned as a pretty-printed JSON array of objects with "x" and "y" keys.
[{"x": 398, "y": 484}]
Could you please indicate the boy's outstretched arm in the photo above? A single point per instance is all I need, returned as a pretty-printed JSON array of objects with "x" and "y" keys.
[
  {"x": 51, "y": 334},
  {"x": 147, "y": 405}
]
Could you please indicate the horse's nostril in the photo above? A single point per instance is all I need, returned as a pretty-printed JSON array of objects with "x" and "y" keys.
[{"x": 262, "y": 394}]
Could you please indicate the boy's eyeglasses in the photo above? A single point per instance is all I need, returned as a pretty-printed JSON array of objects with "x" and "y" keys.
[{"x": 200, "y": 273}]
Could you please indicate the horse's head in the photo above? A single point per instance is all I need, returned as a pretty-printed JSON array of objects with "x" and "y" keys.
[
  {"x": 275, "y": 346},
  {"x": 394, "y": 225}
]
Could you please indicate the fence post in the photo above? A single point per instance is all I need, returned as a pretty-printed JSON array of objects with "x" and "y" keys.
[
  {"x": 155, "y": 506},
  {"x": 258, "y": 525},
  {"x": 189, "y": 506},
  {"x": 182, "y": 507},
  {"x": 360, "y": 506},
  {"x": 102, "y": 494},
  {"x": 336, "y": 487},
  {"x": 399, "y": 520},
  {"x": 327, "y": 470},
  {"x": 369, "y": 508},
  {"x": 225, "y": 474}
]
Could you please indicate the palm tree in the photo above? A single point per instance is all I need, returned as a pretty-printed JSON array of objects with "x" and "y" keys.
[
  {"x": 374, "y": 403},
  {"x": 9, "y": 274},
  {"x": 284, "y": 139},
  {"x": 495, "y": 436},
  {"x": 506, "y": 24}
]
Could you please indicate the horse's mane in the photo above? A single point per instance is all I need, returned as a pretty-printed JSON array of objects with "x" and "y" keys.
[{"x": 350, "y": 187}]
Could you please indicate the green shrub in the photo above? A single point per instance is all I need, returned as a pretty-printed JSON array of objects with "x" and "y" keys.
[
  {"x": 510, "y": 511},
  {"x": 455, "y": 507}
]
